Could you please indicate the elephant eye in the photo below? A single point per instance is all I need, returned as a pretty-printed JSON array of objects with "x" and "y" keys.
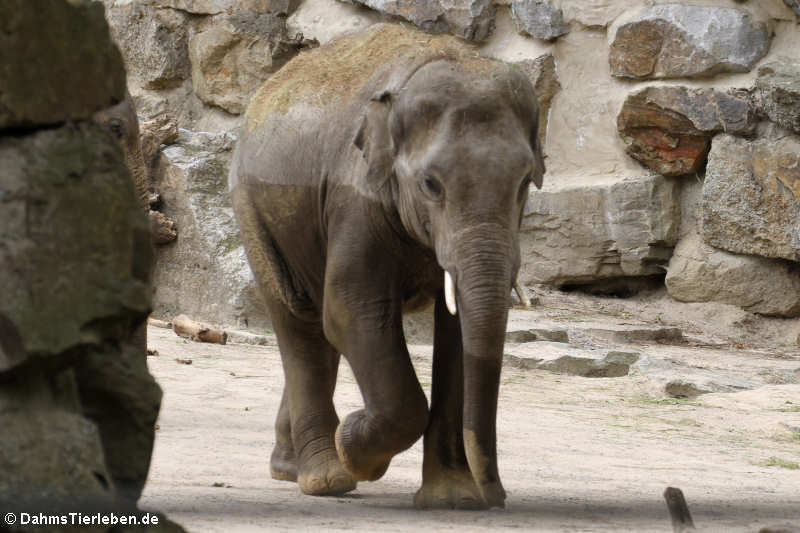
[
  {"x": 115, "y": 127},
  {"x": 432, "y": 188}
]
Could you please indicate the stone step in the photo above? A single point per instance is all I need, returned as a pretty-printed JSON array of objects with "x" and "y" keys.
[{"x": 561, "y": 358}]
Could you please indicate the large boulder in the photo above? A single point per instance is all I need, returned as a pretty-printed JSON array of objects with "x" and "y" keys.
[
  {"x": 155, "y": 43},
  {"x": 538, "y": 18},
  {"x": 204, "y": 273},
  {"x": 66, "y": 193},
  {"x": 669, "y": 129},
  {"x": 751, "y": 196},
  {"x": 468, "y": 19},
  {"x": 699, "y": 273},
  {"x": 676, "y": 40},
  {"x": 71, "y": 54},
  {"x": 235, "y": 54},
  {"x": 50, "y": 455},
  {"x": 778, "y": 92},
  {"x": 324, "y": 20},
  {"x": 589, "y": 233}
]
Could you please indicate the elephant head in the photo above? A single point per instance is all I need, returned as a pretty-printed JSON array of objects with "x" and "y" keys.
[
  {"x": 453, "y": 146},
  {"x": 123, "y": 124}
]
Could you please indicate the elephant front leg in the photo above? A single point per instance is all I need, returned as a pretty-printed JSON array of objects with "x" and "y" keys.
[
  {"x": 395, "y": 410},
  {"x": 306, "y": 422},
  {"x": 447, "y": 481}
]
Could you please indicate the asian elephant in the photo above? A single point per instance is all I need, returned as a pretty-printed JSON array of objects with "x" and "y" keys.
[
  {"x": 116, "y": 389},
  {"x": 374, "y": 175}
]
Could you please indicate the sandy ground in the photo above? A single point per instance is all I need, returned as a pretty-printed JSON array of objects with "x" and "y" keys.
[{"x": 576, "y": 454}]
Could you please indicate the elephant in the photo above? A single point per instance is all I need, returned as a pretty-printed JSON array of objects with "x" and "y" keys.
[
  {"x": 116, "y": 389},
  {"x": 374, "y": 175}
]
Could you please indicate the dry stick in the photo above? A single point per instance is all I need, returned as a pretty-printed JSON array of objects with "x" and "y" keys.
[
  {"x": 678, "y": 510},
  {"x": 185, "y": 327}
]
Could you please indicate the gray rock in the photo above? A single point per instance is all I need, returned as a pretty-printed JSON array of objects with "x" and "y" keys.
[
  {"x": 538, "y": 18},
  {"x": 751, "y": 196},
  {"x": 625, "y": 334},
  {"x": 72, "y": 54},
  {"x": 675, "y": 40},
  {"x": 597, "y": 232},
  {"x": 536, "y": 334},
  {"x": 215, "y": 7},
  {"x": 66, "y": 193},
  {"x": 204, "y": 273},
  {"x": 48, "y": 455},
  {"x": 234, "y": 55},
  {"x": 155, "y": 43},
  {"x": 669, "y": 129},
  {"x": 699, "y": 273},
  {"x": 121, "y": 397},
  {"x": 677, "y": 381},
  {"x": 542, "y": 74},
  {"x": 778, "y": 92},
  {"x": 324, "y": 20},
  {"x": 469, "y": 19},
  {"x": 564, "y": 359}
]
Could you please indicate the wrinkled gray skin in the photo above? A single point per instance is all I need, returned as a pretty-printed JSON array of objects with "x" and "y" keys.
[
  {"x": 117, "y": 391},
  {"x": 350, "y": 214}
]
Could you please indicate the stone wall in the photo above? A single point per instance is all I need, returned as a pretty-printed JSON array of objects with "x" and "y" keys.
[
  {"x": 641, "y": 99},
  {"x": 77, "y": 403}
]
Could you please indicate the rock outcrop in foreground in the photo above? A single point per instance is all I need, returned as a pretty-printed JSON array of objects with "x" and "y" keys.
[{"x": 77, "y": 403}]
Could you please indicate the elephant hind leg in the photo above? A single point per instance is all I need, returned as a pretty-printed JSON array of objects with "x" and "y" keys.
[
  {"x": 307, "y": 419},
  {"x": 283, "y": 463},
  {"x": 447, "y": 481}
]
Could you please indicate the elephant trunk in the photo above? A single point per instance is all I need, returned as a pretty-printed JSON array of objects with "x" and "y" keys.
[{"x": 482, "y": 290}]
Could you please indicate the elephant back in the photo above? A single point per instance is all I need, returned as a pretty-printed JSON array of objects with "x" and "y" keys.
[{"x": 341, "y": 69}]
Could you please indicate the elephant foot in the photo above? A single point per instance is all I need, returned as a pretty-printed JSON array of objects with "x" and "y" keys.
[
  {"x": 449, "y": 489},
  {"x": 325, "y": 477},
  {"x": 362, "y": 467},
  {"x": 282, "y": 464}
]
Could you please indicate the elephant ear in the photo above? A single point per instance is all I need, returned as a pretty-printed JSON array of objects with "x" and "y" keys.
[{"x": 375, "y": 140}]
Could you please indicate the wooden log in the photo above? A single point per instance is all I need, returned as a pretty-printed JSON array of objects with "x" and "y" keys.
[
  {"x": 185, "y": 327},
  {"x": 678, "y": 510},
  {"x": 159, "y": 323}
]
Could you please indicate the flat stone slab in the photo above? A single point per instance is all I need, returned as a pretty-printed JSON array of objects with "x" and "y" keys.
[
  {"x": 561, "y": 358},
  {"x": 684, "y": 382},
  {"x": 623, "y": 334},
  {"x": 537, "y": 334}
]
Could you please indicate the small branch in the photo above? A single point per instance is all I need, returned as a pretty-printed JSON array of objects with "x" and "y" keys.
[{"x": 678, "y": 510}]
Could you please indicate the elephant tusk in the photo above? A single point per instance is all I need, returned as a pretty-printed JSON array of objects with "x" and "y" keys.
[{"x": 450, "y": 293}]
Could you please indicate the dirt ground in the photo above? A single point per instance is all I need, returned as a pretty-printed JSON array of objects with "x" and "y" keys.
[{"x": 575, "y": 453}]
